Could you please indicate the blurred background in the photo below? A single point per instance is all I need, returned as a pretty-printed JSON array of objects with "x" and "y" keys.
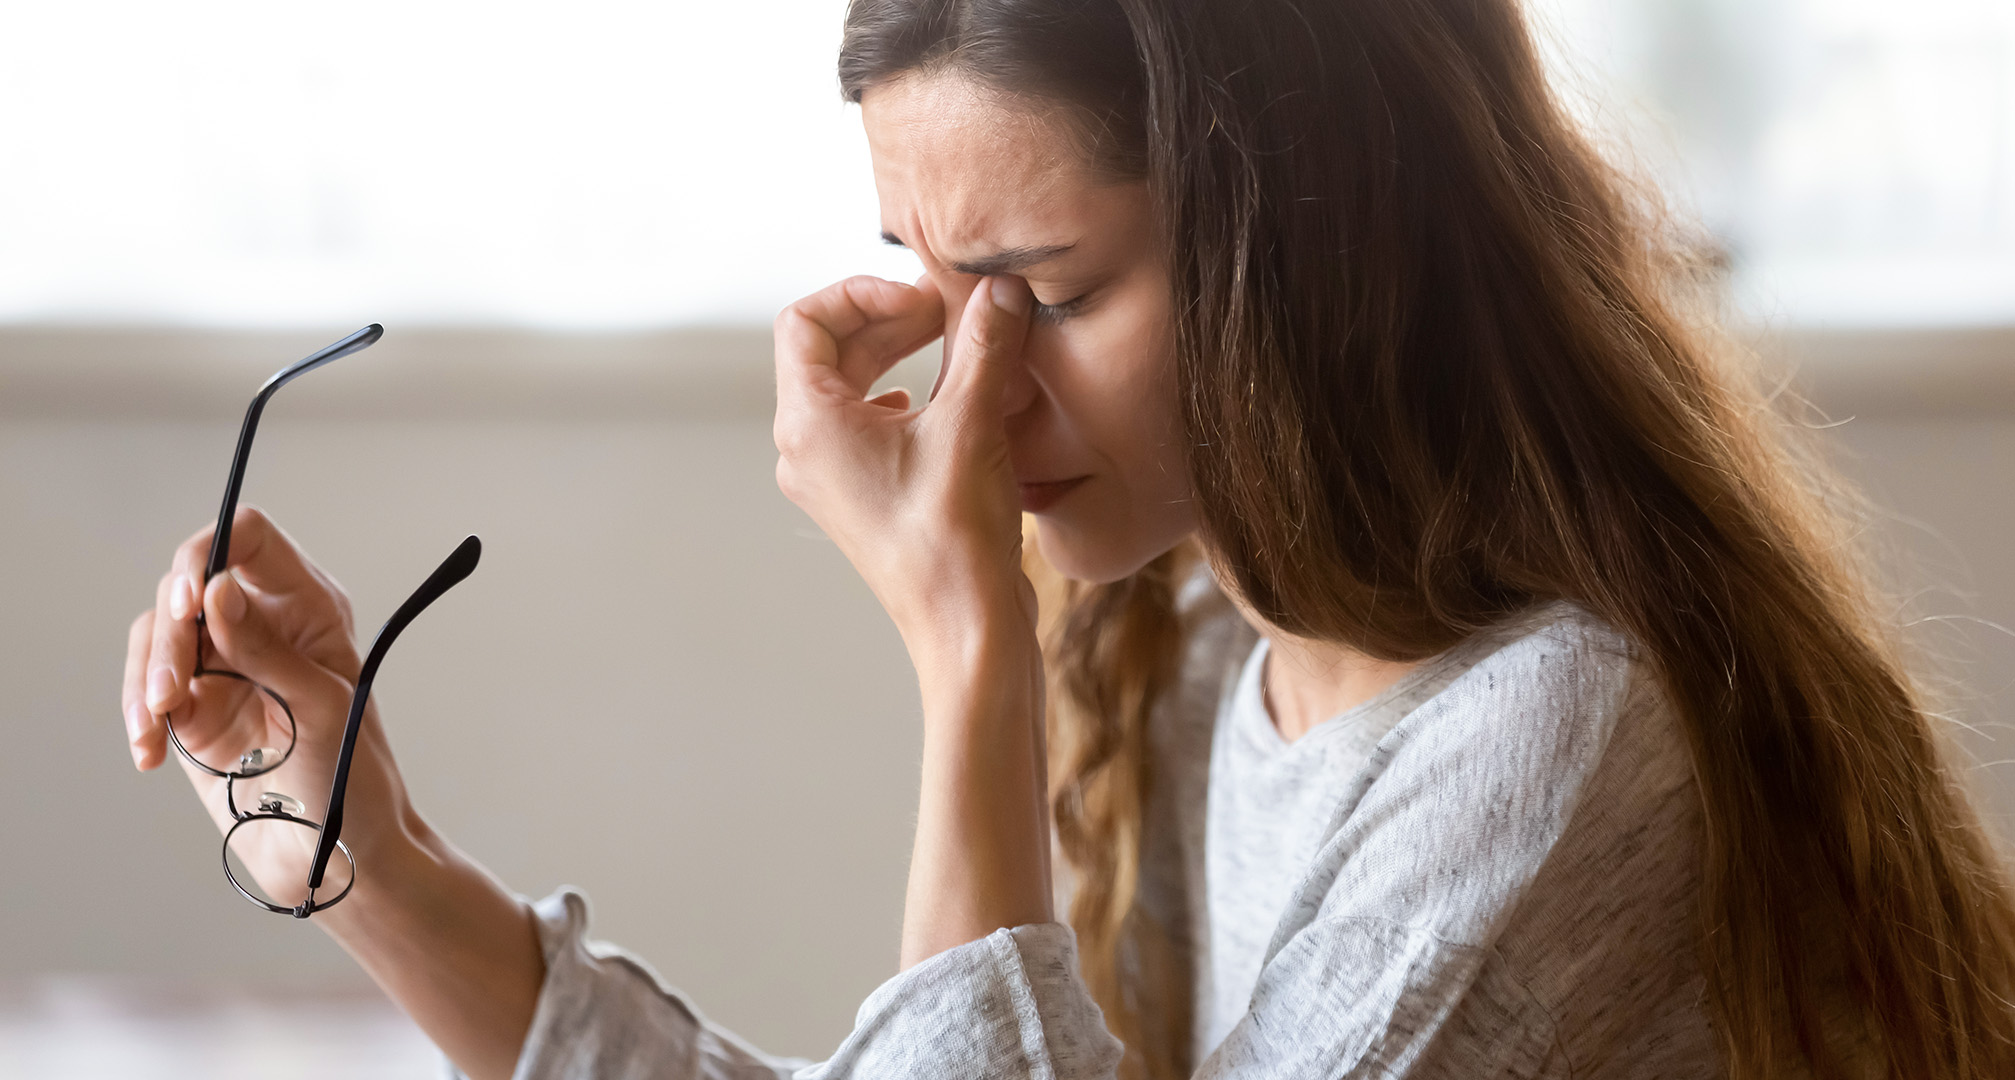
[{"x": 663, "y": 685}]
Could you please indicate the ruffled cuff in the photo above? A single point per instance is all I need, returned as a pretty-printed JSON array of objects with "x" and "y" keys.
[
  {"x": 604, "y": 1012},
  {"x": 1009, "y": 1005}
]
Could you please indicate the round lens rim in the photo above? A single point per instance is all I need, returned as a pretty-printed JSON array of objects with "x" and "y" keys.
[
  {"x": 307, "y": 907},
  {"x": 293, "y": 733}
]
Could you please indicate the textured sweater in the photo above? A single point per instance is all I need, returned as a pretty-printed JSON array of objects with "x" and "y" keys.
[{"x": 1489, "y": 869}]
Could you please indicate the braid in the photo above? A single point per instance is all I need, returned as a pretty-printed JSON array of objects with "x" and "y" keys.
[{"x": 1111, "y": 650}]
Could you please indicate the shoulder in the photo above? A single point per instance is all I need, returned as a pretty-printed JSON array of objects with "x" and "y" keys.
[
  {"x": 1544, "y": 691},
  {"x": 1478, "y": 880},
  {"x": 1471, "y": 889},
  {"x": 1465, "y": 797},
  {"x": 1560, "y": 646},
  {"x": 1508, "y": 752}
]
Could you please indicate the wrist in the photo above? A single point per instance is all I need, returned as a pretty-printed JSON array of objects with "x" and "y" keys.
[
  {"x": 981, "y": 860},
  {"x": 455, "y": 948},
  {"x": 397, "y": 868},
  {"x": 974, "y": 646}
]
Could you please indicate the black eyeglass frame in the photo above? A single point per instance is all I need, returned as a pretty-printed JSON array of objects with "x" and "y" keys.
[
  {"x": 457, "y": 566},
  {"x": 220, "y": 547}
]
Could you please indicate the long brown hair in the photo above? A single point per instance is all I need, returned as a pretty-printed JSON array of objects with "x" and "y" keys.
[{"x": 1439, "y": 361}]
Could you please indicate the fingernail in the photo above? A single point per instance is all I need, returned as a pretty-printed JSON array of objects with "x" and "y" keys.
[
  {"x": 136, "y": 722},
  {"x": 178, "y": 597},
  {"x": 230, "y": 597},
  {"x": 160, "y": 684},
  {"x": 1009, "y": 294}
]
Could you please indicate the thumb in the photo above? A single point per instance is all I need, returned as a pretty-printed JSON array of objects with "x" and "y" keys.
[
  {"x": 991, "y": 331},
  {"x": 248, "y": 643}
]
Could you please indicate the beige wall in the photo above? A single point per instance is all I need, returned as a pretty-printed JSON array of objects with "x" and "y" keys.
[
  {"x": 661, "y": 685},
  {"x": 1947, "y": 489}
]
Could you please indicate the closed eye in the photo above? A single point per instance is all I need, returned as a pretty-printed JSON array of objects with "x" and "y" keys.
[{"x": 1056, "y": 313}]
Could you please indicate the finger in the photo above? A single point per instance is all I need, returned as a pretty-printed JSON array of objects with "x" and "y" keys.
[
  {"x": 868, "y": 354},
  {"x": 267, "y": 560},
  {"x": 194, "y": 554},
  {"x": 847, "y": 335},
  {"x": 990, "y": 335},
  {"x": 897, "y": 399},
  {"x": 143, "y": 733},
  {"x": 247, "y": 640},
  {"x": 171, "y": 658}
]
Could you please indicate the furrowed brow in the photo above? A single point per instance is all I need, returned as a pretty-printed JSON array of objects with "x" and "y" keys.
[{"x": 1009, "y": 261}]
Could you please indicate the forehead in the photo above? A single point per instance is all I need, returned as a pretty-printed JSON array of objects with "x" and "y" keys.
[{"x": 960, "y": 169}]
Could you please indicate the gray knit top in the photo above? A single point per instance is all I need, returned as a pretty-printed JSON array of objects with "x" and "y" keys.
[{"x": 1490, "y": 869}]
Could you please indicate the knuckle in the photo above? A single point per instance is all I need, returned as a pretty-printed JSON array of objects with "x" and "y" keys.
[
  {"x": 989, "y": 338},
  {"x": 982, "y": 336},
  {"x": 792, "y": 438},
  {"x": 866, "y": 284},
  {"x": 795, "y": 333}
]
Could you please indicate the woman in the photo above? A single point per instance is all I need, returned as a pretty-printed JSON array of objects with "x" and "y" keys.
[{"x": 1448, "y": 668}]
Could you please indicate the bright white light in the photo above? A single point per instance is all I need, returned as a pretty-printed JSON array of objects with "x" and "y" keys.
[
  {"x": 634, "y": 164},
  {"x": 1857, "y": 156},
  {"x": 598, "y": 163}
]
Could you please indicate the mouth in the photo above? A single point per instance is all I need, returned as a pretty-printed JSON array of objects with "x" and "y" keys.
[{"x": 1039, "y": 496}]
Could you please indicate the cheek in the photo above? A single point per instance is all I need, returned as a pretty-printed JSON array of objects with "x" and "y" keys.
[
  {"x": 1120, "y": 381},
  {"x": 1117, "y": 391},
  {"x": 1127, "y": 408}
]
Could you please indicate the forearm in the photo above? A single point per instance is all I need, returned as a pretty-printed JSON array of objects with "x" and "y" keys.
[
  {"x": 447, "y": 942},
  {"x": 981, "y": 860}
]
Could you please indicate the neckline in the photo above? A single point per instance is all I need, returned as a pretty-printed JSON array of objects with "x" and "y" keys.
[
  {"x": 1260, "y": 724},
  {"x": 1251, "y": 716}
]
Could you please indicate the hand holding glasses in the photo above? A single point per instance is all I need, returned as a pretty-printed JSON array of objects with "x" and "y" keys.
[{"x": 302, "y": 866}]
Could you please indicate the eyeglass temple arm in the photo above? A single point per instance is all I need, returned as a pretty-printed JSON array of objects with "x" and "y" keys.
[
  {"x": 450, "y": 573},
  {"x": 220, "y": 542}
]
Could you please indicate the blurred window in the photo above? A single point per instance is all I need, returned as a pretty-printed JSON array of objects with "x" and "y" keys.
[
  {"x": 1856, "y": 158},
  {"x": 643, "y": 164}
]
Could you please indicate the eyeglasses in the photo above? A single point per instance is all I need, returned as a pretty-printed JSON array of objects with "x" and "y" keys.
[{"x": 276, "y": 830}]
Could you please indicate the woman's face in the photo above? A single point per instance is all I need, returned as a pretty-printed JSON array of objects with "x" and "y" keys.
[{"x": 975, "y": 185}]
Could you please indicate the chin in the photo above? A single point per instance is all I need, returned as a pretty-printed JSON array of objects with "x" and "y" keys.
[{"x": 1094, "y": 556}]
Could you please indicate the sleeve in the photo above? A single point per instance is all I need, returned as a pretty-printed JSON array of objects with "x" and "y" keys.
[
  {"x": 1388, "y": 959},
  {"x": 1379, "y": 966},
  {"x": 1010, "y": 1005}
]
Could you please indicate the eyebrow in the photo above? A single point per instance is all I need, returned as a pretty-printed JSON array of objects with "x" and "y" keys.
[{"x": 1009, "y": 261}]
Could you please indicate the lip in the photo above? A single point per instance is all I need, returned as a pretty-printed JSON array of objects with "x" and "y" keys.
[{"x": 1041, "y": 495}]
